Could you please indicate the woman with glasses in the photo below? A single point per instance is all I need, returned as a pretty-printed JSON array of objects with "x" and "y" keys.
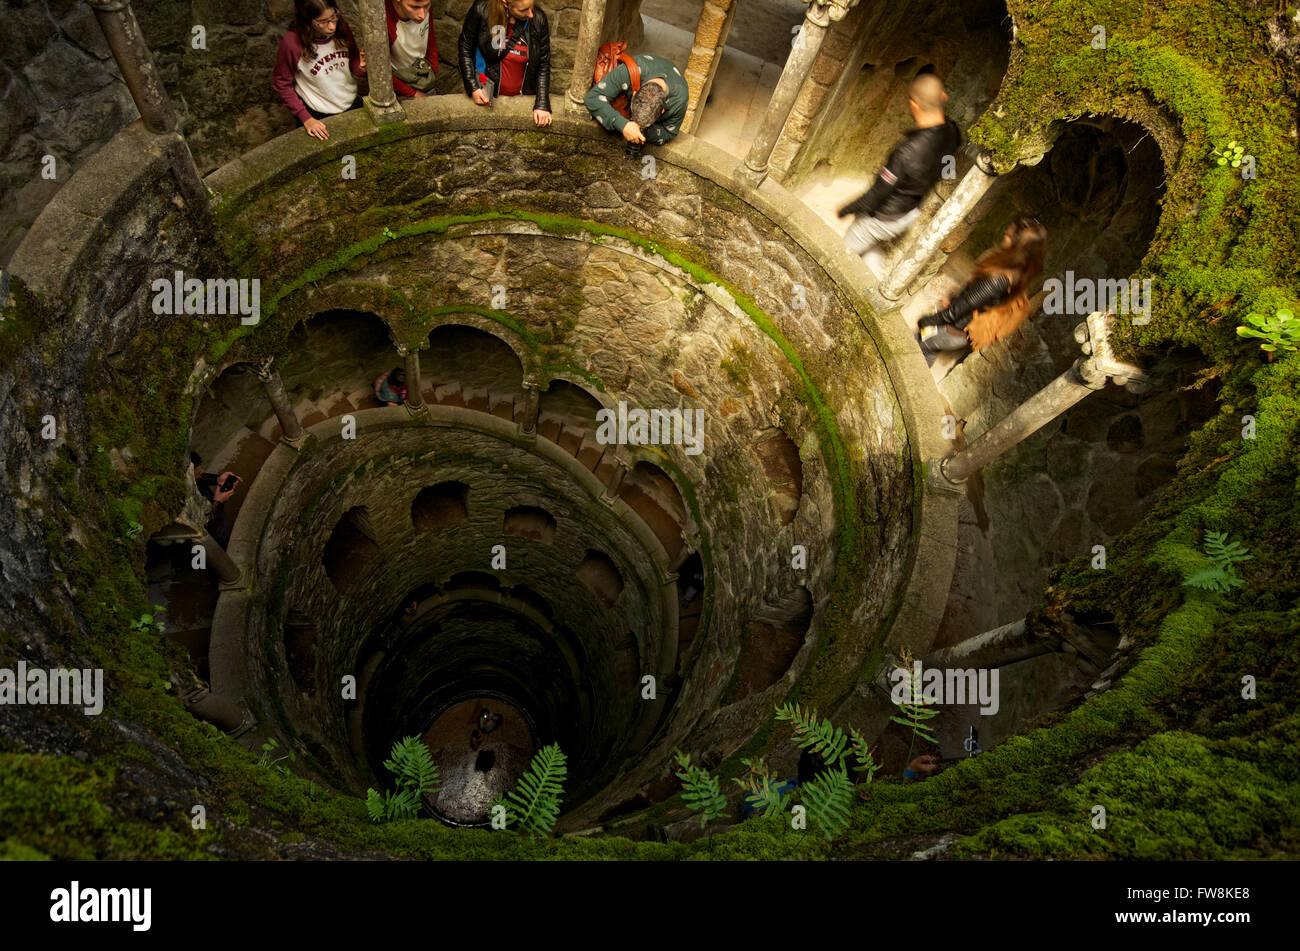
[
  {"x": 994, "y": 301},
  {"x": 318, "y": 66},
  {"x": 505, "y": 50}
]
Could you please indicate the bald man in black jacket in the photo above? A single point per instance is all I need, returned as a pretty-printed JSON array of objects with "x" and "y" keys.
[{"x": 892, "y": 204}]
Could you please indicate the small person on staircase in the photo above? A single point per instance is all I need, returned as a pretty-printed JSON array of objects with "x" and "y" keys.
[
  {"x": 390, "y": 389},
  {"x": 994, "y": 302}
]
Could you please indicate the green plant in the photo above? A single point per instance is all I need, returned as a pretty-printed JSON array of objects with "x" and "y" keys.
[
  {"x": 914, "y": 710},
  {"x": 700, "y": 789},
  {"x": 267, "y": 761},
  {"x": 762, "y": 790},
  {"x": 150, "y": 620},
  {"x": 1220, "y": 576},
  {"x": 134, "y": 529},
  {"x": 1279, "y": 332},
  {"x": 415, "y": 774},
  {"x": 1231, "y": 154},
  {"x": 828, "y": 796},
  {"x": 534, "y": 804},
  {"x": 389, "y": 233}
]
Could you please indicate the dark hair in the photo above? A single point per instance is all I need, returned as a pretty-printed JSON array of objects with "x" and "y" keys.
[
  {"x": 398, "y": 376},
  {"x": 307, "y": 10},
  {"x": 194, "y": 458},
  {"x": 1023, "y": 261},
  {"x": 648, "y": 104}
]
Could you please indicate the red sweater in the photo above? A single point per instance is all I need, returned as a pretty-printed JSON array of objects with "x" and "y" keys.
[
  {"x": 431, "y": 50},
  {"x": 286, "y": 69}
]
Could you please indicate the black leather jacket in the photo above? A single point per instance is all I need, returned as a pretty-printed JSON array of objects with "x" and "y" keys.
[
  {"x": 909, "y": 172},
  {"x": 537, "y": 73}
]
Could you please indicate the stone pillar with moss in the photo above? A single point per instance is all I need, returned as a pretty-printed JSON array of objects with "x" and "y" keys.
[
  {"x": 1088, "y": 374},
  {"x": 290, "y": 428},
  {"x": 927, "y": 239},
  {"x": 584, "y": 56},
  {"x": 820, "y": 15},
  {"x": 381, "y": 103},
  {"x": 706, "y": 53}
]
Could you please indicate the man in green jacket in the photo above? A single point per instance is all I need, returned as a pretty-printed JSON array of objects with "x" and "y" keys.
[{"x": 657, "y": 108}]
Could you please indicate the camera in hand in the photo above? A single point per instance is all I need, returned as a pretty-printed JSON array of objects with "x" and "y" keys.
[
  {"x": 633, "y": 150},
  {"x": 231, "y": 481}
]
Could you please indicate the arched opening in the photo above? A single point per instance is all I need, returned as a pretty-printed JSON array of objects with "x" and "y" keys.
[
  {"x": 529, "y": 521},
  {"x": 566, "y": 415},
  {"x": 350, "y": 548},
  {"x": 779, "y": 457},
  {"x": 332, "y": 362},
  {"x": 440, "y": 506},
  {"x": 650, "y": 493},
  {"x": 599, "y": 573},
  {"x": 465, "y": 366}
]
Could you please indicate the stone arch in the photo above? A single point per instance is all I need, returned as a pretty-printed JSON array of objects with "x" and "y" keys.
[
  {"x": 439, "y": 506},
  {"x": 529, "y": 521},
  {"x": 599, "y": 573},
  {"x": 465, "y": 365},
  {"x": 351, "y": 546},
  {"x": 779, "y": 457},
  {"x": 650, "y": 492}
]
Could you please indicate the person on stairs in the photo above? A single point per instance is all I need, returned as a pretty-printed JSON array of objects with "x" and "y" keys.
[
  {"x": 994, "y": 302},
  {"x": 892, "y": 204}
]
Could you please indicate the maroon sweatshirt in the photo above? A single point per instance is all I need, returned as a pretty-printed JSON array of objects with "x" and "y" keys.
[{"x": 287, "y": 66}]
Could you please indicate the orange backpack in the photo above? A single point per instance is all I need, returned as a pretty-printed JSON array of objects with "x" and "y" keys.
[{"x": 609, "y": 56}]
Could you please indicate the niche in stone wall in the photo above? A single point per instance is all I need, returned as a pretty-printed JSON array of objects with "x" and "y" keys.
[
  {"x": 773, "y": 638},
  {"x": 779, "y": 457},
  {"x": 300, "y": 650},
  {"x": 528, "y": 521},
  {"x": 351, "y": 547},
  {"x": 440, "y": 506},
  {"x": 650, "y": 493},
  {"x": 602, "y": 576}
]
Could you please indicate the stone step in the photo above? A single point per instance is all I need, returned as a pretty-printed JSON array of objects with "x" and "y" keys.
[
  {"x": 590, "y": 452},
  {"x": 449, "y": 394}
]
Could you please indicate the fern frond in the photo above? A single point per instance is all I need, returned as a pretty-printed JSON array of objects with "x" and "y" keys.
[
  {"x": 1223, "y": 553},
  {"x": 404, "y": 804},
  {"x": 814, "y": 733},
  {"x": 375, "y": 805},
  {"x": 828, "y": 798},
  {"x": 537, "y": 796},
  {"x": 1214, "y": 578},
  {"x": 700, "y": 790}
]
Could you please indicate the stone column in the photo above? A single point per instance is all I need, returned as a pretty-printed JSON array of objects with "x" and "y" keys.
[
  {"x": 1088, "y": 374},
  {"x": 706, "y": 53},
  {"x": 922, "y": 247},
  {"x": 819, "y": 16},
  {"x": 219, "y": 561},
  {"x": 136, "y": 64},
  {"x": 221, "y": 712},
  {"x": 414, "y": 398},
  {"x": 584, "y": 56},
  {"x": 381, "y": 104},
  {"x": 290, "y": 428},
  {"x": 532, "y": 401},
  {"x": 616, "y": 483}
]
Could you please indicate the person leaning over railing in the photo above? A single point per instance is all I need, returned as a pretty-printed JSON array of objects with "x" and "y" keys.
[
  {"x": 505, "y": 50},
  {"x": 413, "y": 47},
  {"x": 318, "y": 65}
]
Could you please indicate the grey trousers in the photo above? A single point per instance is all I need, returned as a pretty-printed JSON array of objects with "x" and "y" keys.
[{"x": 865, "y": 234}]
